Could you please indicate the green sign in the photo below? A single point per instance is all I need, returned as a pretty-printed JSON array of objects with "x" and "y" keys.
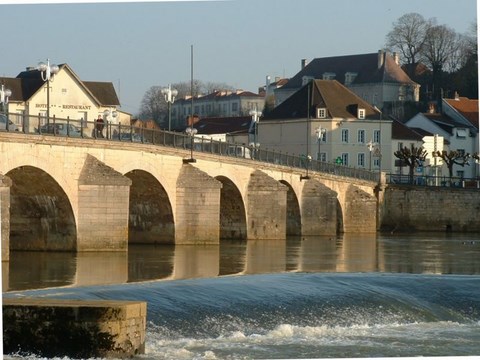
[{"x": 338, "y": 161}]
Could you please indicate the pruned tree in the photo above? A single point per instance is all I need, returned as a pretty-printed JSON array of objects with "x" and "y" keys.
[
  {"x": 412, "y": 157},
  {"x": 407, "y": 37},
  {"x": 453, "y": 157}
]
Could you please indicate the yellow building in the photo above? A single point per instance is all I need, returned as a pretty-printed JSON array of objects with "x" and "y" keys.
[{"x": 70, "y": 99}]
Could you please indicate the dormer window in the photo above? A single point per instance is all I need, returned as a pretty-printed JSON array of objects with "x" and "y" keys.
[
  {"x": 328, "y": 76},
  {"x": 350, "y": 77},
  {"x": 361, "y": 114},
  {"x": 321, "y": 113},
  {"x": 307, "y": 79}
]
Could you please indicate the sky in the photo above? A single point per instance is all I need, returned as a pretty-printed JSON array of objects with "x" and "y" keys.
[{"x": 137, "y": 45}]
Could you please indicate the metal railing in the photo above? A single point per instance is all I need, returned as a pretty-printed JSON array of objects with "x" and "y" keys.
[
  {"x": 434, "y": 181},
  {"x": 128, "y": 133}
]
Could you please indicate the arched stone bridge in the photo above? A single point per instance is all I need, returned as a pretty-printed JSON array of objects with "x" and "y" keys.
[{"x": 73, "y": 194}]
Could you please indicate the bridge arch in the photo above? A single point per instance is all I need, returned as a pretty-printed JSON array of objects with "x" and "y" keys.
[
  {"x": 41, "y": 215},
  {"x": 151, "y": 218},
  {"x": 233, "y": 221},
  {"x": 294, "y": 220}
]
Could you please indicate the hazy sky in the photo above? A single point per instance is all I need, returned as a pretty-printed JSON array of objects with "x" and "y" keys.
[{"x": 136, "y": 45}]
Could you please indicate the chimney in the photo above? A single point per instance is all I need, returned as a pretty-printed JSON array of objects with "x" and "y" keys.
[
  {"x": 304, "y": 63},
  {"x": 457, "y": 96},
  {"x": 396, "y": 58},
  {"x": 381, "y": 58}
]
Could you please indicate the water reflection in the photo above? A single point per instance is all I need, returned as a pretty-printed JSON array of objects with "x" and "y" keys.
[{"x": 415, "y": 253}]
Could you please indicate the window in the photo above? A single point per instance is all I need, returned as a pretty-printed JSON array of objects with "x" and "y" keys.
[
  {"x": 361, "y": 114},
  {"x": 461, "y": 133},
  {"x": 376, "y": 162},
  {"x": 321, "y": 113},
  {"x": 306, "y": 79},
  {"x": 328, "y": 76},
  {"x": 345, "y": 136},
  {"x": 322, "y": 156},
  {"x": 361, "y": 137},
  {"x": 461, "y": 152},
  {"x": 376, "y": 136},
  {"x": 345, "y": 159},
  {"x": 361, "y": 160},
  {"x": 350, "y": 77},
  {"x": 234, "y": 107}
]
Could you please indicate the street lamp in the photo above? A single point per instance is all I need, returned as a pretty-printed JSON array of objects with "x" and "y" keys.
[
  {"x": 320, "y": 134},
  {"x": 169, "y": 94},
  {"x": 110, "y": 116},
  {"x": 4, "y": 95},
  {"x": 191, "y": 131},
  {"x": 371, "y": 146},
  {"x": 255, "y": 114},
  {"x": 48, "y": 72}
]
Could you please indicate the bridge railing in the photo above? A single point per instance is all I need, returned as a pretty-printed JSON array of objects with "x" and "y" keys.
[
  {"x": 434, "y": 181},
  {"x": 127, "y": 133}
]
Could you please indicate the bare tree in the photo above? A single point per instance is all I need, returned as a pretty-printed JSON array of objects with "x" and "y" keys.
[
  {"x": 412, "y": 157},
  {"x": 407, "y": 37},
  {"x": 441, "y": 43},
  {"x": 153, "y": 105}
]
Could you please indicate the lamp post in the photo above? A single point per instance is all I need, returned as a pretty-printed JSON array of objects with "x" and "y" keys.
[
  {"x": 255, "y": 114},
  {"x": 371, "y": 146},
  {"x": 48, "y": 72},
  {"x": 110, "y": 116},
  {"x": 191, "y": 131},
  {"x": 169, "y": 94},
  {"x": 320, "y": 133},
  {"x": 4, "y": 95}
]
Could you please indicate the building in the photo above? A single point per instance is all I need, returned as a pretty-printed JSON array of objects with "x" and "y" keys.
[
  {"x": 217, "y": 104},
  {"x": 377, "y": 78},
  {"x": 225, "y": 129},
  {"x": 326, "y": 119},
  {"x": 458, "y": 125},
  {"x": 269, "y": 91},
  {"x": 69, "y": 98}
]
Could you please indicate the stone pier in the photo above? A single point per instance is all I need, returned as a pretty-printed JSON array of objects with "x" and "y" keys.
[{"x": 74, "y": 328}]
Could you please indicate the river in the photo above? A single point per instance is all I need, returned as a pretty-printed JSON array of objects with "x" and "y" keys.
[{"x": 352, "y": 296}]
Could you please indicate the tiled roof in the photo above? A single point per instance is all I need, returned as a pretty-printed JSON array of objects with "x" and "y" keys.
[
  {"x": 467, "y": 107},
  {"x": 103, "y": 91},
  {"x": 22, "y": 89},
  {"x": 403, "y": 132},
  {"x": 339, "y": 101},
  {"x": 365, "y": 65},
  {"x": 146, "y": 124},
  {"x": 224, "y": 125}
]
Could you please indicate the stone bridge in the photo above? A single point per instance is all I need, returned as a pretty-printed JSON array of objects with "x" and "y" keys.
[{"x": 74, "y": 194}]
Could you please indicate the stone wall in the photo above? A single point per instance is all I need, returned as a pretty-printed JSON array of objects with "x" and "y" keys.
[
  {"x": 414, "y": 208},
  {"x": 74, "y": 328},
  {"x": 5, "y": 184}
]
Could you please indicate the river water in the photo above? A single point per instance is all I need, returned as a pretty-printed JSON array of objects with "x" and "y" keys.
[{"x": 353, "y": 296}]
